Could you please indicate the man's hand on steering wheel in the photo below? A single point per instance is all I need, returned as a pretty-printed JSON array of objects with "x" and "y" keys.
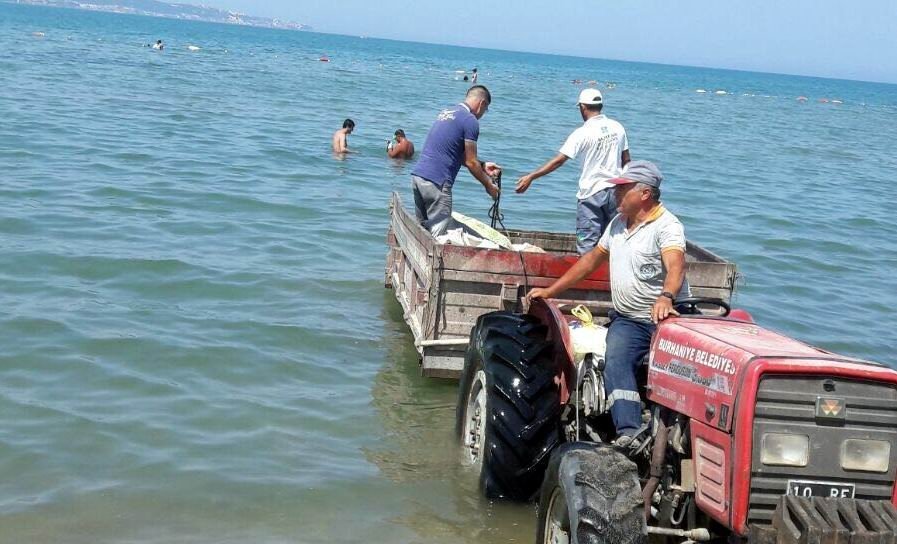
[{"x": 662, "y": 309}]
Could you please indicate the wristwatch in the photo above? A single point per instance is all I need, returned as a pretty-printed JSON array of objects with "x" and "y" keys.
[{"x": 669, "y": 295}]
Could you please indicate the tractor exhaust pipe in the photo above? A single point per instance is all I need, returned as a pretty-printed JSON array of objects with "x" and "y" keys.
[{"x": 658, "y": 455}]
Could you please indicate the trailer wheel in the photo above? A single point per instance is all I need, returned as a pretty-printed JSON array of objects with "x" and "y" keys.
[
  {"x": 591, "y": 495},
  {"x": 508, "y": 415}
]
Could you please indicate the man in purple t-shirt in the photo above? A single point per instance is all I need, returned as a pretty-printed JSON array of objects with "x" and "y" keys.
[{"x": 451, "y": 142}]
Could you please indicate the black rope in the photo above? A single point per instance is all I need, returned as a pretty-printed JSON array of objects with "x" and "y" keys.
[
  {"x": 495, "y": 211},
  {"x": 498, "y": 218}
]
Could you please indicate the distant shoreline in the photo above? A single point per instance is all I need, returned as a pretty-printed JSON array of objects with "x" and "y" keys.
[
  {"x": 181, "y": 12},
  {"x": 308, "y": 28}
]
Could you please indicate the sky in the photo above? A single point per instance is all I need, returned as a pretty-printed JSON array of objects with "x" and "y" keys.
[{"x": 849, "y": 40}]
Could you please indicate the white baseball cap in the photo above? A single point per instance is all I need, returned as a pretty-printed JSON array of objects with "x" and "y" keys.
[{"x": 591, "y": 97}]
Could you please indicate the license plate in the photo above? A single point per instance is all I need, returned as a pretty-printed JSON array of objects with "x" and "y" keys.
[{"x": 809, "y": 488}]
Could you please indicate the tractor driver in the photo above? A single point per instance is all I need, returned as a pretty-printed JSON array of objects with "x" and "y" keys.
[{"x": 645, "y": 245}]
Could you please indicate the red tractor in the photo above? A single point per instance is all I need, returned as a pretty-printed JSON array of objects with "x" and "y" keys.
[{"x": 749, "y": 435}]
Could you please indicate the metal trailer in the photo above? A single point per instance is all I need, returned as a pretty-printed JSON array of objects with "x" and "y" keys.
[{"x": 444, "y": 288}]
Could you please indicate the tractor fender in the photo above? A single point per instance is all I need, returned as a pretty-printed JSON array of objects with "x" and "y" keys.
[
  {"x": 549, "y": 315},
  {"x": 741, "y": 315}
]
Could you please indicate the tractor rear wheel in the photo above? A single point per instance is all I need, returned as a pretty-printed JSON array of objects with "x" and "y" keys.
[
  {"x": 591, "y": 495},
  {"x": 508, "y": 415}
]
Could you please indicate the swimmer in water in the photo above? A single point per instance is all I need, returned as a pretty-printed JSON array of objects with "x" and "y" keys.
[
  {"x": 341, "y": 137},
  {"x": 159, "y": 45},
  {"x": 402, "y": 148},
  {"x": 473, "y": 79}
]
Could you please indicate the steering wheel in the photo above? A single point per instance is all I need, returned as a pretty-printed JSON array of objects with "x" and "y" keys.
[{"x": 691, "y": 304}]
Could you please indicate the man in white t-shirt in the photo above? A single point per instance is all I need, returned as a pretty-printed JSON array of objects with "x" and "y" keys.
[
  {"x": 602, "y": 149},
  {"x": 645, "y": 246}
]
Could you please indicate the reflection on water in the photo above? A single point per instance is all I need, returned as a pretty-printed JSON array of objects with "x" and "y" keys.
[
  {"x": 418, "y": 452},
  {"x": 401, "y": 166}
]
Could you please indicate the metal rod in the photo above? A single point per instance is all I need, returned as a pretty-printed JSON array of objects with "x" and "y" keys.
[
  {"x": 445, "y": 342},
  {"x": 694, "y": 534}
]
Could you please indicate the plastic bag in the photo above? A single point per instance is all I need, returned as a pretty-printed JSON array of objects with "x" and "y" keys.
[{"x": 587, "y": 336}]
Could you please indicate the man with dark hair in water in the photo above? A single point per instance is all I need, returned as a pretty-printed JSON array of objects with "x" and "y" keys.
[
  {"x": 341, "y": 137},
  {"x": 402, "y": 149},
  {"x": 451, "y": 142}
]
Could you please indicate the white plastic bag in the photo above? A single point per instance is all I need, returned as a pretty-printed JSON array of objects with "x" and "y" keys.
[
  {"x": 587, "y": 336},
  {"x": 458, "y": 237}
]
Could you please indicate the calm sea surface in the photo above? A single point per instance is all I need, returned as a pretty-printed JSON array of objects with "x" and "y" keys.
[{"x": 195, "y": 341}]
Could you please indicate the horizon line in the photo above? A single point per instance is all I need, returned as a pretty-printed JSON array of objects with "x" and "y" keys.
[
  {"x": 497, "y": 49},
  {"x": 576, "y": 56}
]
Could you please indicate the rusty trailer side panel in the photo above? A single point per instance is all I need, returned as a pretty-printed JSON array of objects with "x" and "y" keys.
[{"x": 444, "y": 288}]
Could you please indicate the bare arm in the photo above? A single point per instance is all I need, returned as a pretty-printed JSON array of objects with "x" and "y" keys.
[
  {"x": 624, "y": 158},
  {"x": 405, "y": 149},
  {"x": 674, "y": 262},
  {"x": 586, "y": 264},
  {"x": 476, "y": 169},
  {"x": 556, "y": 162}
]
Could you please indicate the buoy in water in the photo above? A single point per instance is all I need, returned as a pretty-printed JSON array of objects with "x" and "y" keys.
[
  {"x": 701, "y": 91},
  {"x": 324, "y": 59}
]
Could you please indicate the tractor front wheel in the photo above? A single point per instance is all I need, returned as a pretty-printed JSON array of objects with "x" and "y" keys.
[{"x": 591, "y": 495}]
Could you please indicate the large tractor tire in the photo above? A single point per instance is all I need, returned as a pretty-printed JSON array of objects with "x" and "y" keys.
[
  {"x": 591, "y": 495},
  {"x": 508, "y": 415}
]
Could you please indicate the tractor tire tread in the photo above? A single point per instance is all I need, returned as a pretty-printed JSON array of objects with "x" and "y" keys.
[
  {"x": 523, "y": 406},
  {"x": 603, "y": 486}
]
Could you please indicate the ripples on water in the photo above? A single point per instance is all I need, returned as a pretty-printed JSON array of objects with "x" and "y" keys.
[{"x": 197, "y": 343}]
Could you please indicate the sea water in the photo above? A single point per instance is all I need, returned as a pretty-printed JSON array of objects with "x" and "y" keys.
[{"x": 195, "y": 341}]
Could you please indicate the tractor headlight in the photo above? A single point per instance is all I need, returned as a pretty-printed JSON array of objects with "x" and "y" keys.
[
  {"x": 865, "y": 455},
  {"x": 792, "y": 450}
]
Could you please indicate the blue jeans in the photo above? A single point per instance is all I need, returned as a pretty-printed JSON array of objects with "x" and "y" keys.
[
  {"x": 628, "y": 341},
  {"x": 593, "y": 214}
]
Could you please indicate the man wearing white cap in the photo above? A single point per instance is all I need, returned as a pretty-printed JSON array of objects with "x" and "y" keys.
[{"x": 602, "y": 148}]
